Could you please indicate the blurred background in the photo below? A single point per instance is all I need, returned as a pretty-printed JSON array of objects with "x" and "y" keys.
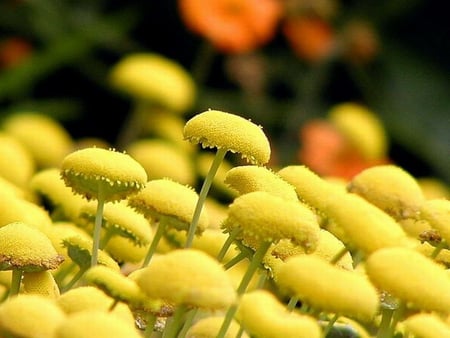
[{"x": 393, "y": 57}]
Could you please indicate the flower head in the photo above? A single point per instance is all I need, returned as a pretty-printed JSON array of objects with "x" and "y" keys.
[
  {"x": 232, "y": 26},
  {"x": 221, "y": 130},
  {"x": 209, "y": 326},
  {"x": 426, "y": 325}
]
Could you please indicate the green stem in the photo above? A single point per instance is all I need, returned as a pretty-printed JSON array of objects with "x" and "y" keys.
[
  {"x": 97, "y": 226},
  {"x": 339, "y": 255},
  {"x": 150, "y": 324},
  {"x": 156, "y": 238},
  {"x": 16, "y": 279},
  {"x": 397, "y": 316},
  {"x": 438, "y": 249},
  {"x": 253, "y": 266},
  {"x": 175, "y": 322},
  {"x": 74, "y": 279},
  {"x": 231, "y": 237},
  {"x": 188, "y": 322},
  {"x": 292, "y": 303},
  {"x": 330, "y": 324},
  {"x": 104, "y": 241},
  {"x": 62, "y": 273},
  {"x": 218, "y": 158},
  {"x": 386, "y": 318},
  {"x": 236, "y": 259}
]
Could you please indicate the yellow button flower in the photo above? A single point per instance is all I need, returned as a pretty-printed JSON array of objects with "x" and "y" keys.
[{"x": 426, "y": 325}]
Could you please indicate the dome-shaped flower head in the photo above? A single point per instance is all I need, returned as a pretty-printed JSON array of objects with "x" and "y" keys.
[
  {"x": 170, "y": 203},
  {"x": 40, "y": 282},
  {"x": 93, "y": 323},
  {"x": 30, "y": 316},
  {"x": 208, "y": 327},
  {"x": 411, "y": 277},
  {"x": 248, "y": 178},
  {"x": 426, "y": 325},
  {"x": 44, "y": 137},
  {"x": 262, "y": 315},
  {"x": 94, "y": 172},
  {"x": 390, "y": 188},
  {"x": 217, "y": 129},
  {"x": 437, "y": 213},
  {"x": 16, "y": 163},
  {"x": 367, "y": 227},
  {"x": 105, "y": 175},
  {"x": 232, "y": 26},
  {"x": 327, "y": 287},
  {"x": 161, "y": 158},
  {"x": 188, "y": 277},
  {"x": 154, "y": 78},
  {"x": 263, "y": 217}
]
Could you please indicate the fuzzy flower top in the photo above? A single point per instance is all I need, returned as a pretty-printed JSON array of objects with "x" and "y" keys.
[
  {"x": 217, "y": 129},
  {"x": 264, "y": 217},
  {"x": 26, "y": 248},
  {"x": 190, "y": 277},
  {"x": 117, "y": 174},
  {"x": 437, "y": 213}
]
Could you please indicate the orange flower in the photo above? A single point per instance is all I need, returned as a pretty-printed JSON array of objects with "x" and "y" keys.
[
  {"x": 310, "y": 38},
  {"x": 327, "y": 151},
  {"x": 232, "y": 26},
  {"x": 13, "y": 51}
]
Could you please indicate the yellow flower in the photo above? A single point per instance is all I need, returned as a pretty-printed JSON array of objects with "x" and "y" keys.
[
  {"x": 92, "y": 323},
  {"x": 154, "y": 78},
  {"x": 327, "y": 287},
  {"x": 217, "y": 129},
  {"x": 42, "y": 283},
  {"x": 163, "y": 159},
  {"x": 188, "y": 277},
  {"x": 91, "y": 170},
  {"x": 411, "y": 277},
  {"x": 262, "y": 315},
  {"x": 248, "y": 178},
  {"x": 361, "y": 127},
  {"x": 263, "y": 217},
  {"x": 437, "y": 213},
  {"x": 426, "y": 325},
  {"x": 30, "y": 316},
  {"x": 209, "y": 326},
  {"x": 390, "y": 188},
  {"x": 367, "y": 227},
  {"x": 44, "y": 137},
  {"x": 124, "y": 250}
]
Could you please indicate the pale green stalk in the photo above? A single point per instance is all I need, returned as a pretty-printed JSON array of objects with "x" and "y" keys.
[{"x": 97, "y": 226}]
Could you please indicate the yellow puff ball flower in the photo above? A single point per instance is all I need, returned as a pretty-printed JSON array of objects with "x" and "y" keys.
[
  {"x": 124, "y": 250},
  {"x": 437, "y": 213},
  {"x": 44, "y": 137},
  {"x": 188, "y": 277},
  {"x": 263, "y": 217},
  {"x": 91, "y": 323},
  {"x": 389, "y": 187},
  {"x": 327, "y": 287},
  {"x": 262, "y": 315},
  {"x": 411, "y": 277},
  {"x": 163, "y": 159},
  {"x": 248, "y": 178},
  {"x": 91, "y": 170},
  {"x": 426, "y": 325},
  {"x": 361, "y": 127},
  {"x": 367, "y": 227},
  {"x": 154, "y": 78},
  {"x": 30, "y": 316},
  {"x": 208, "y": 327},
  {"x": 221, "y": 130}
]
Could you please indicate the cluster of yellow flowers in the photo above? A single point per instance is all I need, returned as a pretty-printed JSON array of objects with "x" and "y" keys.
[{"x": 99, "y": 242}]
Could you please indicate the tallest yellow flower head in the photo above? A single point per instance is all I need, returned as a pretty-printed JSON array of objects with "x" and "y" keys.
[{"x": 155, "y": 78}]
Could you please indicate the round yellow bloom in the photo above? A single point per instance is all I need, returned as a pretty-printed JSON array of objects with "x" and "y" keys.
[
  {"x": 91, "y": 323},
  {"x": 188, "y": 276},
  {"x": 248, "y": 178},
  {"x": 437, "y": 213},
  {"x": 42, "y": 283},
  {"x": 217, "y": 129},
  {"x": 30, "y": 316},
  {"x": 164, "y": 198},
  {"x": 154, "y": 78},
  {"x": 26, "y": 248},
  {"x": 17, "y": 165},
  {"x": 426, "y": 325},
  {"x": 89, "y": 170},
  {"x": 163, "y": 159},
  {"x": 361, "y": 127},
  {"x": 390, "y": 188},
  {"x": 208, "y": 327},
  {"x": 368, "y": 228},
  {"x": 327, "y": 287},
  {"x": 411, "y": 277},
  {"x": 44, "y": 137},
  {"x": 262, "y": 315},
  {"x": 264, "y": 217},
  {"x": 124, "y": 250}
]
